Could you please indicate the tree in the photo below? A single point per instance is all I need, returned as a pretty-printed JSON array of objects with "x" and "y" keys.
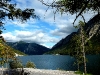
[
  {"x": 30, "y": 64},
  {"x": 78, "y": 48},
  {"x": 15, "y": 64},
  {"x": 78, "y": 7},
  {"x": 82, "y": 36},
  {"x": 9, "y": 10},
  {"x": 6, "y": 54}
]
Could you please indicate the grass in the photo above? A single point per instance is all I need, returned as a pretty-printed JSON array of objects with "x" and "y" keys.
[{"x": 81, "y": 73}]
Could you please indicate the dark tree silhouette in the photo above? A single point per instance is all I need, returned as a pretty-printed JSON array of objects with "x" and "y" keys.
[
  {"x": 78, "y": 7},
  {"x": 8, "y": 10}
]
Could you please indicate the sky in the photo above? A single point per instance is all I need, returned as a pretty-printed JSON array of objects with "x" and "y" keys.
[{"x": 46, "y": 31}]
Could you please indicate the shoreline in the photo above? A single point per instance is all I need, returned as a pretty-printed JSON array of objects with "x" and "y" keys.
[{"x": 32, "y": 71}]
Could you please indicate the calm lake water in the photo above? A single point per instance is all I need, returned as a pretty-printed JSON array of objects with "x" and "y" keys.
[
  {"x": 64, "y": 62},
  {"x": 51, "y": 61}
]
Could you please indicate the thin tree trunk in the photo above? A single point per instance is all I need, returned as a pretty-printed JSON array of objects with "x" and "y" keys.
[
  {"x": 78, "y": 66},
  {"x": 84, "y": 63},
  {"x": 83, "y": 50}
]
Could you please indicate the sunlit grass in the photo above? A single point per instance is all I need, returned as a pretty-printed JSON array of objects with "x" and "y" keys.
[{"x": 81, "y": 73}]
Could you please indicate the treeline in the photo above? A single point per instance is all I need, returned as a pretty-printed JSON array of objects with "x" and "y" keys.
[{"x": 92, "y": 47}]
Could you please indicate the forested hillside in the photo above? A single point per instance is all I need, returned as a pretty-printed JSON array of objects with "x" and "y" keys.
[
  {"x": 4, "y": 48},
  {"x": 67, "y": 45},
  {"x": 28, "y": 48}
]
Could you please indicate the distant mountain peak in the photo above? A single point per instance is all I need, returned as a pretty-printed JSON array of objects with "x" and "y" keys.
[{"x": 29, "y": 48}]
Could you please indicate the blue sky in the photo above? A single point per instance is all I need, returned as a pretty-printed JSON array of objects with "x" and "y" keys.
[{"x": 45, "y": 31}]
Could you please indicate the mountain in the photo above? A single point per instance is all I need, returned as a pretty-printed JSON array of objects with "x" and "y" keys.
[
  {"x": 62, "y": 46},
  {"x": 65, "y": 46},
  {"x": 28, "y": 48},
  {"x": 10, "y": 50}
]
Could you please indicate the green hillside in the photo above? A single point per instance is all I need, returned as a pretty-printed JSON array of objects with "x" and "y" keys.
[
  {"x": 5, "y": 48},
  {"x": 17, "y": 51},
  {"x": 67, "y": 49},
  {"x": 67, "y": 45}
]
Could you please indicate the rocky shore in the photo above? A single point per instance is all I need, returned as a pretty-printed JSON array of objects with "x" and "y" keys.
[
  {"x": 31, "y": 71},
  {"x": 48, "y": 72}
]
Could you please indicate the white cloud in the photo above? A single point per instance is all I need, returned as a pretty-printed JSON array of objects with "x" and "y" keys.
[
  {"x": 63, "y": 24},
  {"x": 39, "y": 37},
  {"x": 9, "y": 37}
]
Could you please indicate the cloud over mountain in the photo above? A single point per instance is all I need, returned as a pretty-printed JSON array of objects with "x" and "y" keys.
[{"x": 46, "y": 31}]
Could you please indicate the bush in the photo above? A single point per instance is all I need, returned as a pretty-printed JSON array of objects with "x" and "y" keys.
[
  {"x": 15, "y": 64},
  {"x": 30, "y": 64}
]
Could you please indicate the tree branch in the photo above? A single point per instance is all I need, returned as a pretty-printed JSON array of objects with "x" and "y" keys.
[
  {"x": 81, "y": 11},
  {"x": 83, "y": 19}
]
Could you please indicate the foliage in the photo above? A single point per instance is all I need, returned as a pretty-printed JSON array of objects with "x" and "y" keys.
[
  {"x": 74, "y": 6},
  {"x": 30, "y": 64},
  {"x": 92, "y": 47},
  {"x": 76, "y": 50},
  {"x": 6, "y": 53},
  {"x": 15, "y": 64},
  {"x": 9, "y": 10},
  {"x": 79, "y": 46},
  {"x": 78, "y": 7}
]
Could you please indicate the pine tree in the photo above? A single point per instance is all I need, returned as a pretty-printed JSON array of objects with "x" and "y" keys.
[
  {"x": 78, "y": 48},
  {"x": 8, "y": 10}
]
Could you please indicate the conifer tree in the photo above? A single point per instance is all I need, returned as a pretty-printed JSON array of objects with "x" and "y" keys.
[
  {"x": 8, "y": 10},
  {"x": 77, "y": 46}
]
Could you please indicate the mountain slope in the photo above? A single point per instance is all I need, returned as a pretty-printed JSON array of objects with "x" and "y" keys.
[
  {"x": 92, "y": 28},
  {"x": 9, "y": 49},
  {"x": 28, "y": 48}
]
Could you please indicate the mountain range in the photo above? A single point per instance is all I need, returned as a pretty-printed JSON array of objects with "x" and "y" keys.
[
  {"x": 65, "y": 46},
  {"x": 28, "y": 48}
]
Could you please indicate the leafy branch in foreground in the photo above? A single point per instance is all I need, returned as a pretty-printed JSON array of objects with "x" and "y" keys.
[
  {"x": 8, "y": 10},
  {"x": 78, "y": 7}
]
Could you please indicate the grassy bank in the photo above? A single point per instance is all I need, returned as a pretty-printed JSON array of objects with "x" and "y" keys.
[{"x": 81, "y": 73}]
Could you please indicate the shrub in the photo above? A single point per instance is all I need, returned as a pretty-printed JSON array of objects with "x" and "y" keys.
[
  {"x": 30, "y": 64},
  {"x": 15, "y": 64}
]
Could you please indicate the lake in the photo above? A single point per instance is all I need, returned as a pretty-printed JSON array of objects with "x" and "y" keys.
[
  {"x": 54, "y": 62},
  {"x": 64, "y": 62}
]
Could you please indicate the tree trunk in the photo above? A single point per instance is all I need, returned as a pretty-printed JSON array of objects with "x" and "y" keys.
[
  {"x": 84, "y": 63},
  {"x": 78, "y": 66},
  {"x": 83, "y": 50}
]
